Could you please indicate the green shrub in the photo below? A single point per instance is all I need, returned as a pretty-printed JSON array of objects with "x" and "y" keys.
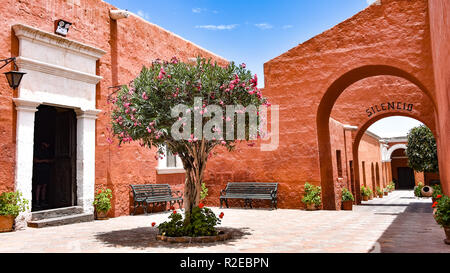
[
  {"x": 312, "y": 195},
  {"x": 437, "y": 190},
  {"x": 12, "y": 204},
  {"x": 204, "y": 192},
  {"x": 442, "y": 215},
  {"x": 391, "y": 186},
  {"x": 365, "y": 191},
  {"x": 203, "y": 222},
  {"x": 379, "y": 191},
  {"x": 418, "y": 190},
  {"x": 102, "y": 200},
  {"x": 347, "y": 195}
]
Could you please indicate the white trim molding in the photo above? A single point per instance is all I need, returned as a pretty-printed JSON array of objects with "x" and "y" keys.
[
  {"x": 61, "y": 73},
  {"x": 163, "y": 169},
  {"x": 36, "y": 35},
  {"x": 395, "y": 148}
]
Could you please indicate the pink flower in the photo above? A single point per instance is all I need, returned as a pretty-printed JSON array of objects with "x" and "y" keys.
[
  {"x": 144, "y": 96},
  {"x": 243, "y": 65},
  {"x": 254, "y": 81}
]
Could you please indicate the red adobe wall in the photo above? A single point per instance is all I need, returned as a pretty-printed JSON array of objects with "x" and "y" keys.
[
  {"x": 439, "y": 14},
  {"x": 130, "y": 44},
  {"x": 394, "y": 34},
  {"x": 370, "y": 154}
]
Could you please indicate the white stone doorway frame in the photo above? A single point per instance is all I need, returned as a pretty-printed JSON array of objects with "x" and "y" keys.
[{"x": 61, "y": 73}]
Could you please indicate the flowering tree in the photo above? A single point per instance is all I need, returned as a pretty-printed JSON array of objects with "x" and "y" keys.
[{"x": 179, "y": 107}]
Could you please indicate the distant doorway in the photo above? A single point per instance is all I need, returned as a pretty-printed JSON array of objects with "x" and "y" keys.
[
  {"x": 54, "y": 165},
  {"x": 406, "y": 179}
]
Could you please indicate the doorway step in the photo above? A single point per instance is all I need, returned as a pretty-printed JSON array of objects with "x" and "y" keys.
[{"x": 59, "y": 217}]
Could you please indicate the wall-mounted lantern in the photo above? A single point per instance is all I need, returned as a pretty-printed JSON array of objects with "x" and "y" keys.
[
  {"x": 62, "y": 27},
  {"x": 118, "y": 14},
  {"x": 14, "y": 77}
]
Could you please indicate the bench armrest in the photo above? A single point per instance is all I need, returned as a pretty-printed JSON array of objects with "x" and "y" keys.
[{"x": 274, "y": 193}]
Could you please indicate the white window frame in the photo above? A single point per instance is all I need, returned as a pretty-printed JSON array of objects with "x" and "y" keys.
[{"x": 163, "y": 169}]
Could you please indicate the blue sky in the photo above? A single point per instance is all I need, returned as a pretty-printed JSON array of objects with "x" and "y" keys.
[
  {"x": 255, "y": 31},
  {"x": 245, "y": 31}
]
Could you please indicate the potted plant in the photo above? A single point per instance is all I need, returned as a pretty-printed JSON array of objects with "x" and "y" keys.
[
  {"x": 437, "y": 190},
  {"x": 380, "y": 192},
  {"x": 347, "y": 199},
  {"x": 371, "y": 196},
  {"x": 365, "y": 193},
  {"x": 201, "y": 229},
  {"x": 386, "y": 192},
  {"x": 312, "y": 198},
  {"x": 418, "y": 190},
  {"x": 102, "y": 203},
  {"x": 442, "y": 214},
  {"x": 392, "y": 186},
  {"x": 11, "y": 205}
]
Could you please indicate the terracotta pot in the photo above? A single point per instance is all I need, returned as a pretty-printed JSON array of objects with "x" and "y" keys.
[
  {"x": 386, "y": 193},
  {"x": 347, "y": 205},
  {"x": 6, "y": 223},
  {"x": 447, "y": 234},
  {"x": 101, "y": 215},
  {"x": 365, "y": 198},
  {"x": 380, "y": 195},
  {"x": 427, "y": 191}
]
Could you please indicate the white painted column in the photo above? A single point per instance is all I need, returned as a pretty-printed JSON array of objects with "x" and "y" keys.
[
  {"x": 86, "y": 158},
  {"x": 26, "y": 111}
]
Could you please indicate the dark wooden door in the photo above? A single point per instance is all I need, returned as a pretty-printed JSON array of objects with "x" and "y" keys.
[
  {"x": 406, "y": 178},
  {"x": 64, "y": 179}
]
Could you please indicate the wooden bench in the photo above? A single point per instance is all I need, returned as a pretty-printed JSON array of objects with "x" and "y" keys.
[
  {"x": 155, "y": 194},
  {"x": 250, "y": 191}
]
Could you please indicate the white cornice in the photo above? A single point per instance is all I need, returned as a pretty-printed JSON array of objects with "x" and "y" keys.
[
  {"x": 34, "y": 34},
  {"x": 30, "y": 64}
]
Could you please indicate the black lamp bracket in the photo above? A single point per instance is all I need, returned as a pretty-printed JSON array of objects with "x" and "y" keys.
[{"x": 8, "y": 61}]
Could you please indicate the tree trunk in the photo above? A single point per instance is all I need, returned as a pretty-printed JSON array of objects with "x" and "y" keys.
[
  {"x": 194, "y": 165},
  {"x": 192, "y": 189}
]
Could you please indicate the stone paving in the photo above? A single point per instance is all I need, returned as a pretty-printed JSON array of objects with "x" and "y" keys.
[{"x": 398, "y": 223}]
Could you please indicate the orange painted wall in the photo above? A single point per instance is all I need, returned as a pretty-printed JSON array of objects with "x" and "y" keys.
[
  {"x": 130, "y": 44},
  {"x": 370, "y": 154},
  {"x": 397, "y": 33},
  {"x": 439, "y": 14}
]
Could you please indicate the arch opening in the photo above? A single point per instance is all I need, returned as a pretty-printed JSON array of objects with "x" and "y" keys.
[{"x": 330, "y": 198}]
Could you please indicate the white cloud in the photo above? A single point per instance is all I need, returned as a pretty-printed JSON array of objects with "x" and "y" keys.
[
  {"x": 264, "y": 26},
  {"x": 218, "y": 27},
  {"x": 143, "y": 14},
  {"x": 197, "y": 10},
  {"x": 370, "y": 2},
  {"x": 287, "y": 26}
]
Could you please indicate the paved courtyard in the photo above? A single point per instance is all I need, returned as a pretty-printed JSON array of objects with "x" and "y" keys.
[{"x": 398, "y": 223}]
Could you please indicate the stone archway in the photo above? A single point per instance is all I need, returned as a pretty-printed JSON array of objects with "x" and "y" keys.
[
  {"x": 324, "y": 113},
  {"x": 395, "y": 148},
  {"x": 359, "y": 134}
]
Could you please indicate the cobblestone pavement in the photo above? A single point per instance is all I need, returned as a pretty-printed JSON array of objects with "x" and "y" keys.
[{"x": 398, "y": 223}]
